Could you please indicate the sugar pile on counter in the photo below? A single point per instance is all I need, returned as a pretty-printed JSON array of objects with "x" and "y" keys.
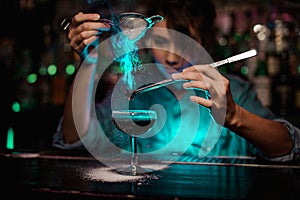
[{"x": 105, "y": 174}]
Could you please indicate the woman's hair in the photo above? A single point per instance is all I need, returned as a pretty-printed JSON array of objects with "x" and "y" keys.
[{"x": 182, "y": 14}]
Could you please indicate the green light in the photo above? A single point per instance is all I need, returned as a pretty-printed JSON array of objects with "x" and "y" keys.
[
  {"x": 52, "y": 69},
  {"x": 244, "y": 70},
  {"x": 116, "y": 69},
  {"x": 70, "y": 69},
  {"x": 223, "y": 69},
  {"x": 16, "y": 107},
  {"x": 31, "y": 78},
  {"x": 43, "y": 71},
  {"x": 238, "y": 37},
  {"x": 10, "y": 138},
  {"x": 298, "y": 69}
]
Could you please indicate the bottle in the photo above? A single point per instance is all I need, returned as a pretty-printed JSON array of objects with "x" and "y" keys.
[
  {"x": 295, "y": 71},
  {"x": 262, "y": 82},
  {"x": 297, "y": 95},
  {"x": 273, "y": 62},
  {"x": 282, "y": 87}
]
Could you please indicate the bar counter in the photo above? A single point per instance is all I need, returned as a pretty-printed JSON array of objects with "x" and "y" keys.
[{"x": 61, "y": 176}]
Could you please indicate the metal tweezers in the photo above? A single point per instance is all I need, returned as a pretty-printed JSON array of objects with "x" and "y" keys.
[{"x": 166, "y": 82}]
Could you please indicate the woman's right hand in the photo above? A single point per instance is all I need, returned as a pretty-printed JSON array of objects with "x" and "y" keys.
[{"x": 84, "y": 30}]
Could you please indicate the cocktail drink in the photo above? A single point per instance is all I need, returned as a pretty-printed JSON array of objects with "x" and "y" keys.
[{"x": 134, "y": 123}]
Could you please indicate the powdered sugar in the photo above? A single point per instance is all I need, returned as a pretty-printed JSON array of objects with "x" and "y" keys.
[{"x": 106, "y": 174}]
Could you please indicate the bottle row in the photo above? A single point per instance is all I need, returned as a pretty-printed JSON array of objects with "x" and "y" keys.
[{"x": 272, "y": 29}]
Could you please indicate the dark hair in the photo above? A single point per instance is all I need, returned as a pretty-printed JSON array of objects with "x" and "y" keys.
[{"x": 181, "y": 14}]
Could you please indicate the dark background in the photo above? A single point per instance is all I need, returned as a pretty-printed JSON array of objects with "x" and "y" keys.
[{"x": 31, "y": 39}]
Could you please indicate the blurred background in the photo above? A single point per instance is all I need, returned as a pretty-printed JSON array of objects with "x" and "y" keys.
[{"x": 37, "y": 64}]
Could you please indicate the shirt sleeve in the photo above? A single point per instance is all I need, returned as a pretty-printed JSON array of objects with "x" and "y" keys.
[
  {"x": 58, "y": 141},
  {"x": 96, "y": 142},
  {"x": 294, "y": 154},
  {"x": 90, "y": 141},
  {"x": 246, "y": 97}
]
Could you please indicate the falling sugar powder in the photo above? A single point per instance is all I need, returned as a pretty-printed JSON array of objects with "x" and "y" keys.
[{"x": 106, "y": 174}]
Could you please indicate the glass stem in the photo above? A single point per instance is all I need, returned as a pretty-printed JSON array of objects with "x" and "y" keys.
[{"x": 134, "y": 157}]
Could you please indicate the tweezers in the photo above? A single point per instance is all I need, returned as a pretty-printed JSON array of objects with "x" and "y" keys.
[{"x": 166, "y": 82}]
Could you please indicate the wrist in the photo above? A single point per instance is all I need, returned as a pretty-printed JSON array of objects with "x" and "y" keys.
[{"x": 234, "y": 118}]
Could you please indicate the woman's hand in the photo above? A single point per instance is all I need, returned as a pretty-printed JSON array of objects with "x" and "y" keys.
[
  {"x": 84, "y": 30},
  {"x": 207, "y": 78}
]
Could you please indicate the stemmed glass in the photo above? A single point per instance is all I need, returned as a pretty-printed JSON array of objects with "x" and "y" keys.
[{"x": 134, "y": 123}]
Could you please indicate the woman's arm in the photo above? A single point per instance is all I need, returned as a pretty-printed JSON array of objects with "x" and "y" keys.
[
  {"x": 82, "y": 33},
  {"x": 270, "y": 137}
]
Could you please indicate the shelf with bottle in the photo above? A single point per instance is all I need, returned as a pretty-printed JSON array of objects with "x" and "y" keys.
[{"x": 261, "y": 80}]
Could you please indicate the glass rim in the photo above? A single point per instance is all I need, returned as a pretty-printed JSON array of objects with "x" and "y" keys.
[{"x": 133, "y": 111}]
